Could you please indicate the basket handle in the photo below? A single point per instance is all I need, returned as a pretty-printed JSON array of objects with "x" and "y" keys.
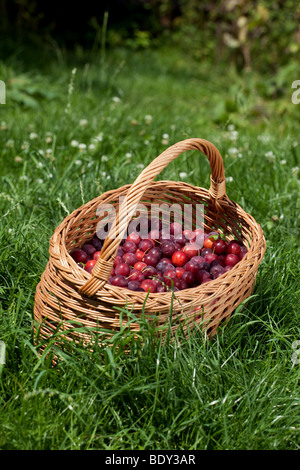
[{"x": 102, "y": 269}]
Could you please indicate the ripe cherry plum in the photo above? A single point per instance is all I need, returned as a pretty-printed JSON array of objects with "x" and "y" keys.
[
  {"x": 129, "y": 247},
  {"x": 79, "y": 256},
  {"x": 123, "y": 269},
  {"x": 148, "y": 285}
]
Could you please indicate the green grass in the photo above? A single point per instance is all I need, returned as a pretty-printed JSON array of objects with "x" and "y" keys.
[{"x": 239, "y": 391}]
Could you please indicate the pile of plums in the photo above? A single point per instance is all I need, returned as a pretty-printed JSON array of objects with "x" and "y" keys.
[{"x": 158, "y": 262}]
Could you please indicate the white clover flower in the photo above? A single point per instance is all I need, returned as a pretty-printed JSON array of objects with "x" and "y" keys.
[
  {"x": 231, "y": 127},
  {"x": 165, "y": 141},
  {"x": 140, "y": 165},
  {"x": 40, "y": 181},
  {"x": 82, "y": 146},
  {"x": 92, "y": 147},
  {"x": 229, "y": 179},
  {"x": 233, "y": 151},
  {"x": 165, "y": 136},
  {"x": 74, "y": 143},
  {"x": 182, "y": 174},
  {"x": 295, "y": 170},
  {"x": 23, "y": 178},
  {"x": 263, "y": 138},
  {"x": 233, "y": 135},
  {"x": 270, "y": 155},
  {"x": 240, "y": 155},
  {"x": 33, "y": 136},
  {"x": 3, "y": 126},
  {"x": 10, "y": 143},
  {"x": 18, "y": 159},
  {"x": 148, "y": 118},
  {"x": 83, "y": 122},
  {"x": 104, "y": 158},
  {"x": 146, "y": 142},
  {"x": 98, "y": 138},
  {"x": 25, "y": 145},
  {"x": 78, "y": 162},
  {"x": 283, "y": 162},
  {"x": 48, "y": 139},
  {"x": 91, "y": 163},
  {"x": 39, "y": 165},
  {"x": 128, "y": 155},
  {"x": 50, "y": 175},
  {"x": 116, "y": 99}
]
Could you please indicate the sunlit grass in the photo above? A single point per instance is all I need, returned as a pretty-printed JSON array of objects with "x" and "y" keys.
[{"x": 240, "y": 391}]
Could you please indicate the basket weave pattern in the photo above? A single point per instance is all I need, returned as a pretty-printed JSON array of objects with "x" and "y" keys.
[{"x": 68, "y": 293}]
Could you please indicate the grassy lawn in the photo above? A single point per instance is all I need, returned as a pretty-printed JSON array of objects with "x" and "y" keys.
[{"x": 77, "y": 125}]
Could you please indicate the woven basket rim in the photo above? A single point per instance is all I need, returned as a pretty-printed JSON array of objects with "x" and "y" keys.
[{"x": 167, "y": 294}]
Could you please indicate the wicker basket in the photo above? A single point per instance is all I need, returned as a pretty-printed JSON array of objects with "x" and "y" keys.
[{"x": 67, "y": 293}]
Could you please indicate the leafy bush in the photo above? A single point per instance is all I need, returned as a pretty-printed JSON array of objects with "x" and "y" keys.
[{"x": 257, "y": 34}]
